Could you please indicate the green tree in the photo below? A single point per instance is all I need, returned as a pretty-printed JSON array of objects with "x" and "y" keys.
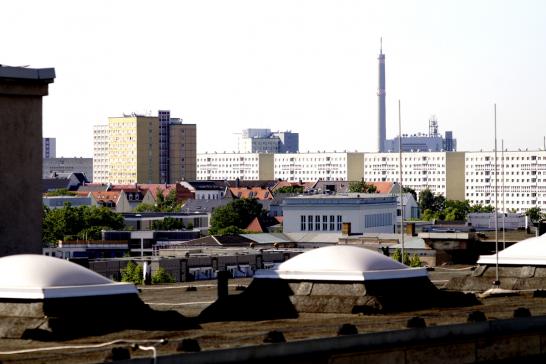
[
  {"x": 84, "y": 222},
  {"x": 61, "y": 192},
  {"x": 168, "y": 223},
  {"x": 146, "y": 207},
  {"x": 289, "y": 189},
  {"x": 426, "y": 200},
  {"x": 397, "y": 255},
  {"x": 132, "y": 273},
  {"x": 238, "y": 213},
  {"x": 481, "y": 208},
  {"x": 534, "y": 214},
  {"x": 163, "y": 203},
  {"x": 162, "y": 276},
  {"x": 410, "y": 190},
  {"x": 415, "y": 261},
  {"x": 362, "y": 187}
]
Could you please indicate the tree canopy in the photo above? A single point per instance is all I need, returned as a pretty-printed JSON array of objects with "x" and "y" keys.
[
  {"x": 534, "y": 213},
  {"x": 289, "y": 189},
  {"x": 168, "y": 223},
  {"x": 438, "y": 207},
  {"x": 235, "y": 215},
  {"x": 83, "y": 222},
  {"x": 163, "y": 203},
  {"x": 362, "y": 187}
]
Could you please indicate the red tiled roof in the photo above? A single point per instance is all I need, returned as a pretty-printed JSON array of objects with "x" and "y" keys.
[
  {"x": 254, "y": 192},
  {"x": 255, "y": 226},
  {"x": 105, "y": 196},
  {"x": 382, "y": 187}
]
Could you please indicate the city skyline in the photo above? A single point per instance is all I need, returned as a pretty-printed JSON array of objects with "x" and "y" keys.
[{"x": 309, "y": 67}]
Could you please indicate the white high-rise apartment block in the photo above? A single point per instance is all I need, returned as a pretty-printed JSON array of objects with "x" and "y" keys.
[
  {"x": 441, "y": 172},
  {"x": 230, "y": 166},
  {"x": 100, "y": 153},
  {"x": 326, "y": 166},
  {"x": 49, "y": 147},
  {"x": 521, "y": 181}
]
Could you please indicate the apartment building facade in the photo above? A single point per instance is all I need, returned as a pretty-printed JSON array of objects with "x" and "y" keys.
[
  {"x": 520, "y": 179},
  {"x": 144, "y": 149},
  {"x": 326, "y": 166},
  {"x": 441, "y": 172},
  {"x": 100, "y": 154},
  {"x": 230, "y": 166}
]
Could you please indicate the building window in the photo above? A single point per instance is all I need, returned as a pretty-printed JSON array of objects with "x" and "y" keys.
[
  {"x": 324, "y": 223},
  {"x": 310, "y": 222},
  {"x": 332, "y": 222},
  {"x": 339, "y": 220},
  {"x": 302, "y": 227},
  {"x": 317, "y": 222}
]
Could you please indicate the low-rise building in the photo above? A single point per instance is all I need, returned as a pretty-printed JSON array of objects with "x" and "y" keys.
[
  {"x": 366, "y": 213},
  {"x": 57, "y": 166}
]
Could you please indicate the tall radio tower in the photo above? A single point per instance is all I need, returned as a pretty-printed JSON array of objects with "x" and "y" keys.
[{"x": 381, "y": 97}]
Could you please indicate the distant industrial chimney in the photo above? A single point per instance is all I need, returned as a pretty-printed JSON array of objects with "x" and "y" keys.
[{"x": 381, "y": 135}]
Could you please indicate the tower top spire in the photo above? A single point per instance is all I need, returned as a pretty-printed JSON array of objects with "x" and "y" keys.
[{"x": 380, "y": 45}]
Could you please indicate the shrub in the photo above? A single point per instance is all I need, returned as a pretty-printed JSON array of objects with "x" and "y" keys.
[
  {"x": 132, "y": 273},
  {"x": 161, "y": 276},
  {"x": 415, "y": 261}
]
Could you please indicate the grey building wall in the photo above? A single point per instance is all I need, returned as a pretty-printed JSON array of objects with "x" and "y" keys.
[
  {"x": 21, "y": 92},
  {"x": 68, "y": 165}
]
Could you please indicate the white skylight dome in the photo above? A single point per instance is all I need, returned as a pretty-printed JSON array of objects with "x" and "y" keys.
[
  {"x": 30, "y": 276},
  {"x": 530, "y": 251},
  {"x": 341, "y": 263}
]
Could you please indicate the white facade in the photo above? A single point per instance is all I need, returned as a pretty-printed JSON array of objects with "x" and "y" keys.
[
  {"x": 49, "y": 147},
  {"x": 441, "y": 172},
  {"x": 367, "y": 213},
  {"x": 521, "y": 181},
  {"x": 327, "y": 166},
  {"x": 230, "y": 166},
  {"x": 100, "y": 154}
]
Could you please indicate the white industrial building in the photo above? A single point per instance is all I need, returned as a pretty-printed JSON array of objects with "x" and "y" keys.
[
  {"x": 230, "y": 166},
  {"x": 367, "y": 213},
  {"x": 521, "y": 182},
  {"x": 265, "y": 141},
  {"x": 325, "y": 166},
  {"x": 441, "y": 172}
]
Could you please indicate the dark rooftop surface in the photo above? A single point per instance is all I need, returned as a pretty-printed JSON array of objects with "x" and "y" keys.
[{"x": 216, "y": 335}]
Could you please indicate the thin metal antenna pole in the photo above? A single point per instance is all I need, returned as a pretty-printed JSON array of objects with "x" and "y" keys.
[
  {"x": 503, "y": 200},
  {"x": 496, "y": 283},
  {"x": 401, "y": 192}
]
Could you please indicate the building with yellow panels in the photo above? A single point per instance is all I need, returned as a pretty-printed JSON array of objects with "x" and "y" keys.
[{"x": 133, "y": 149}]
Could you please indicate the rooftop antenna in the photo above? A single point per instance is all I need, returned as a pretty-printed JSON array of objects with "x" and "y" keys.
[
  {"x": 497, "y": 282},
  {"x": 401, "y": 192},
  {"x": 503, "y": 194},
  {"x": 380, "y": 45}
]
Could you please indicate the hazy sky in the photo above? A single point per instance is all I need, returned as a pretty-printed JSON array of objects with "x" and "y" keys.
[{"x": 305, "y": 66}]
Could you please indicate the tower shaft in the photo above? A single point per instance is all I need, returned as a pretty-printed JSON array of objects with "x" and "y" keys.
[{"x": 381, "y": 134}]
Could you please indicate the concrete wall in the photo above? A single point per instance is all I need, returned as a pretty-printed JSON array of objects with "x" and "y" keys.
[
  {"x": 266, "y": 166},
  {"x": 499, "y": 341},
  {"x": 455, "y": 181},
  {"x": 182, "y": 152},
  {"x": 21, "y": 92}
]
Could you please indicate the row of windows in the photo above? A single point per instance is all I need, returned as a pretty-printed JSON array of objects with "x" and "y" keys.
[{"x": 314, "y": 222}]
